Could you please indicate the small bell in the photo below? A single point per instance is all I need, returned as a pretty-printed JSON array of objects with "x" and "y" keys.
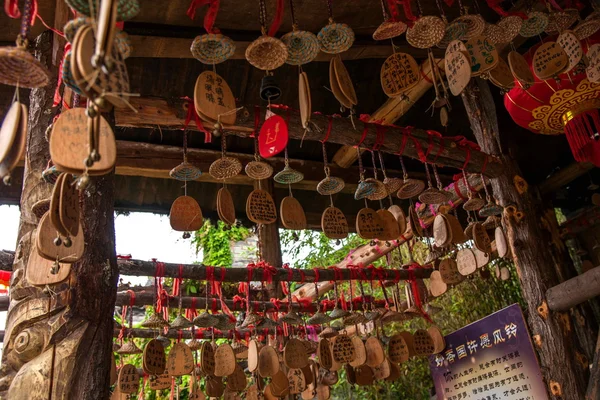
[{"x": 269, "y": 89}]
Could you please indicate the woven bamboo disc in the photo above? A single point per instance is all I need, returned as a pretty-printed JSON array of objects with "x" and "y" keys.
[
  {"x": 511, "y": 25},
  {"x": 40, "y": 207},
  {"x": 495, "y": 33},
  {"x": 380, "y": 192},
  {"x": 586, "y": 28},
  {"x": 126, "y": 9},
  {"x": 181, "y": 322},
  {"x": 67, "y": 75},
  {"x": 267, "y": 53},
  {"x": 561, "y": 20},
  {"x": 225, "y": 168},
  {"x": 455, "y": 30},
  {"x": 123, "y": 44},
  {"x": 205, "y": 320},
  {"x": 389, "y": 29},
  {"x": 224, "y": 322},
  {"x": 288, "y": 175},
  {"x": 258, "y": 170},
  {"x": 475, "y": 25},
  {"x": 129, "y": 347},
  {"x": 212, "y": 48},
  {"x": 156, "y": 320},
  {"x": 410, "y": 188},
  {"x": 535, "y": 24},
  {"x": 302, "y": 46},
  {"x": 330, "y": 185},
  {"x": 20, "y": 68},
  {"x": 365, "y": 188},
  {"x": 185, "y": 172},
  {"x": 502, "y": 77},
  {"x": 335, "y": 38},
  {"x": 426, "y": 32},
  {"x": 392, "y": 185},
  {"x": 433, "y": 196},
  {"x": 72, "y": 26},
  {"x": 473, "y": 204}
]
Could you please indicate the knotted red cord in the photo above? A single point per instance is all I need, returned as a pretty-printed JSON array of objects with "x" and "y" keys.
[
  {"x": 329, "y": 125},
  {"x": 277, "y": 19},
  {"x": 363, "y": 136},
  {"x": 410, "y": 17},
  {"x": 211, "y": 13},
  {"x": 192, "y": 114},
  {"x": 393, "y": 9},
  {"x": 412, "y": 279}
]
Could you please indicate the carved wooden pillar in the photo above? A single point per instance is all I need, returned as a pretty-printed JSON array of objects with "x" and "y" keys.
[
  {"x": 552, "y": 331},
  {"x": 58, "y": 340}
]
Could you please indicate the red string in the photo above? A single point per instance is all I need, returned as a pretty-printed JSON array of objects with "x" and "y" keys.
[
  {"x": 11, "y": 8},
  {"x": 406, "y": 132},
  {"x": 408, "y": 12},
  {"x": 192, "y": 114},
  {"x": 363, "y": 136},
  {"x": 211, "y": 13},
  {"x": 415, "y": 290},
  {"x": 329, "y": 124},
  {"x": 380, "y": 137},
  {"x": 277, "y": 19},
  {"x": 393, "y": 8}
]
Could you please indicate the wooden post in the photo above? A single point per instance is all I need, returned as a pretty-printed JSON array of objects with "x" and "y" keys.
[
  {"x": 593, "y": 390},
  {"x": 58, "y": 340},
  {"x": 552, "y": 330}
]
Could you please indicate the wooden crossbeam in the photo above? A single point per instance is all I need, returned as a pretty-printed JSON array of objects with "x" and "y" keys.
[
  {"x": 564, "y": 176},
  {"x": 574, "y": 291},
  {"x": 153, "y": 112}
]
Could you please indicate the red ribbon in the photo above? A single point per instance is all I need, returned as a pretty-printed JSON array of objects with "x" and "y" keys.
[
  {"x": 363, "y": 136},
  {"x": 393, "y": 9},
  {"x": 415, "y": 290},
  {"x": 329, "y": 124},
  {"x": 11, "y": 8},
  {"x": 277, "y": 19},
  {"x": 380, "y": 137},
  {"x": 211, "y": 13},
  {"x": 408, "y": 12},
  {"x": 192, "y": 114}
]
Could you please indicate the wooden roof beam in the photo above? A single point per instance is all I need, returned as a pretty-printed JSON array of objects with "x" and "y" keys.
[{"x": 153, "y": 112}]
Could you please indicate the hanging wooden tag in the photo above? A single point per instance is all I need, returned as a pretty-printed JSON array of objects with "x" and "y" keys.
[
  {"x": 214, "y": 386},
  {"x": 129, "y": 379},
  {"x": 437, "y": 286},
  {"x": 399, "y": 73},
  {"x": 324, "y": 354},
  {"x": 114, "y": 377},
  {"x": 334, "y": 223},
  {"x": 308, "y": 373},
  {"x": 439, "y": 343},
  {"x": 154, "y": 361},
  {"x": 335, "y": 364},
  {"x": 400, "y": 218},
  {"x": 268, "y": 362},
  {"x": 458, "y": 71},
  {"x": 449, "y": 272},
  {"x": 483, "y": 53},
  {"x": 180, "y": 360},
  {"x": 520, "y": 68},
  {"x": 408, "y": 339},
  {"x": 279, "y": 384},
  {"x": 415, "y": 224},
  {"x": 304, "y": 99},
  {"x": 159, "y": 382},
  {"x": 253, "y": 351},
  {"x": 292, "y": 214},
  {"x": 69, "y": 205},
  {"x": 10, "y": 128},
  {"x": 309, "y": 393},
  {"x": 207, "y": 358},
  {"x": 273, "y": 136},
  {"x": 501, "y": 76},
  {"x": 592, "y": 72},
  {"x": 260, "y": 207},
  {"x": 185, "y": 214},
  {"x": 481, "y": 239},
  {"x": 39, "y": 270},
  {"x": 327, "y": 377},
  {"x": 294, "y": 354},
  {"x": 549, "y": 60},
  {"x": 344, "y": 80},
  {"x": 54, "y": 211},
  {"x": 364, "y": 375},
  {"x": 395, "y": 372},
  {"x": 501, "y": 245},
  {"x": 466, "y": 262},
  {"x": 225, "y": 207},
  {"x": 391, "y": 229},
  {"x": 441, "y": 232},
  {"x": 224, "y": 360},
  {"x": 69, "y": 143},
  {"x": 398, "y": 350},
  {"x": 360, "y": 353},
  {"x": 458, "y": 234},
  {"x": 343, "y": 349},
  {"x": 382, "y": 371},
  {"x": 375, "y": 352},
  {"x": 252, "y": 392},
  {"x": 368, "y": 224},
  {"x": 296, "y": 381},
  {"x": 47, "y": 249},
  {"x": 457, "y": 45},
  {"x": 335, "y": 87},
  {"x": 213, "y": 97},
  {"x": 323, "y": 392},
  {"x": 17, "y": 148},
  {"x": 237, "y": 380},
  {"x": 423, "y": 343}
]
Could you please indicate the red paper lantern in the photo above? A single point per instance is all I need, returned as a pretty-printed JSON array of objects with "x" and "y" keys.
[{"x": 567, "y": 106}]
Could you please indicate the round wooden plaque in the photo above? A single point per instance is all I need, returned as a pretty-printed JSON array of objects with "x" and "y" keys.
[
  {"x": 45, "y": 236},
  {"x": 423, "y": 343},
  {"x": 364, "y": 375},
  {"x": 549, "y": 60},
  {"x": 375, "y": 352},
  {"x": 391, "y": 228},
  {"x": 39, "y": 270},
  {"x": 185, "y": 214},
  {"x": 520, "y": 68},
  {"x": 180, "y": 360},
  {"x": 159, "y": 382},
  {"x": 224, "y": 360},
  {"x": 501, "y": 245},
  {"x": 292, "y": 214},
  {"x": 334, "y": 223},
  {"x": 399, "y": 73},
  {"x": 253, "y": 351},
  {"x": 154, "y": 361},
  {"x": 260, "y": 207},
  {"x": 237, "y": 380},
  {"x": 280, "y": 384},
  {"x": 268, "y": 362},
  {"x": 466, "y": 262},
  {"x": 225, "y": 207},
  {"x": 368, "y": 224},
  {"x": 439, "y": 343},
  {"x": 398, "y": 350},
  {"x": 360, "y": 353},
  {"x": 213, "y": 97},
  {"x": 458, "y": 71},
  {"x": 294, "y": 354},
  {"x": 483, "y": 53},
  {"x": 482, "y": 258},
  {"x": 395, "y": 372},
  {"x": 129, "y": 379},
  {"x": 400, "y": 218},
  {"x": 437, "y": 286},
  {"x": 501, "y": 76},
  {"x": 324, "y": 354},
  {"x": 442, "y": 235},
  {"x": 571, "y": 45},
  {"x": 335, "y": 86},
  {"x": 481, "y": 239},
  {"x": 449, "y": 272},
  {"x": 214, "y": 386},
  {"x": 344, "y": 80},
  {"x": 296, "y": 381},
  {"x": 323, "y": 392},
  {"x": 69, "y": 143},
  {"x": 343, "y": 349},
  {"x": 382, "y": 371},
  {"x": 207, "y": 358},
  {"x": 304, "y": 99}
]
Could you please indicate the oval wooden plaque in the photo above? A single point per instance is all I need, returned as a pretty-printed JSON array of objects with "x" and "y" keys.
[
  {"x": 253, "y": 352},
  {"x": 260, "y": 207},
  {"x": 304, "y": 99},
  {"x": 398, "y": 350},
  {"x": 437, "y": 286},
  {"x": 501, "y": 76},
  {"x": 9, "y": 130},
  {"x": 391, "y": 228},
  {"x": 360, "y": 353},
  {"x": 268, "y": 362},
  {"x": 592, "y": 72},
  {"x": 280, "y": 384},
  {"x": 449, "y": 272},
  {"x": 364, "y": 375},
  {"x": 180, "y": 360},
  {"x": 294, "y": 354},
  {"x": 214, "y": 386},
  {"x": 549, "y": 61},
  {"x": 69, "y": 205},
  {"x": 237, "y": 381},
  {"x": 207, "y": 358},
  {"x": 344, "y": 81},
  {"x": 39, "y": 270},
  {"x": 368, "y": 224},
  {"x": 129, "y": 379},
  {"x": 442, "y": 235},
  {"x": 400, "y": 218},
  {"x": 375, "y": 352},
  {"x": 382, "y": 371},
  {"x": 154, "y": 361},
  {"x": 458, "y": 71},
  {"x": 213, "y": 97},
  {"x": 466, "y": 262},
  {"x": 482, "y": 258},
  {"x": 334, "y": 223},
  {"x": 501, "y": 245},
  {"x": 324, "y": 354},
  {"x": 568, "y": 41},
  {"x": 399, "y": 73},
  {"x": 54, "y": 211},
  {"x": 520, "y": 68},
  {"x": 45, "y": 236},
  {"x": 185, "y": 214},
  {"x": 225, "y": 206},
  {"x": 292, "y": 214},
  {"x": 483, "y": 53},
  {"x": 481, "y": 239},
  {"x": 395, "y": 372},
  {"x": 296, "y": 381},
  {"x": 224, "y": 360},
  {"x": 343, "y": 349},
  {"x": 439, "y": 343},
  {"x": 159, "y": 382},
  {"x": 457, "y": 45},
  {"x": 423, "y": 343}
]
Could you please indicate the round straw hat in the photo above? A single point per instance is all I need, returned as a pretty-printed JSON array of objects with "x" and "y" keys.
[
  {"x": 455, "y": 30},
  {"x": 495, "y": 33},
  {"x": 535, "y": 24},
  {"x": 303, "y": 47},
  {"x": 475, "y": 25},
  {"x": 19, "y": 67},
  {"x": 67, "y": 75},
  {"x": 511, "y": 25},
  {"x": 212, "y": 48},
  {"x": 426, "y": 32},
  {"x": 335, "y": 38},
  {"x": 225, "y": 167},
  {"x": 267, "y": 53},
  {"x": 330, "y": 185},
  {"x": 288, "y": 175},
  {"x": 126, "y": 9},
  {"x": 258, "y": 170},
  {"x": 586, "y": 28},
  {"x": 185, "y": 172},
  {"x": 561, "y": 20},
  {"x": 73, "y": 25},
  {"x": 389, "y": 29}
]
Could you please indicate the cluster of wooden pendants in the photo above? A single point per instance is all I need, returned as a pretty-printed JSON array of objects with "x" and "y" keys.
[{"x": 288, "y": 366}]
